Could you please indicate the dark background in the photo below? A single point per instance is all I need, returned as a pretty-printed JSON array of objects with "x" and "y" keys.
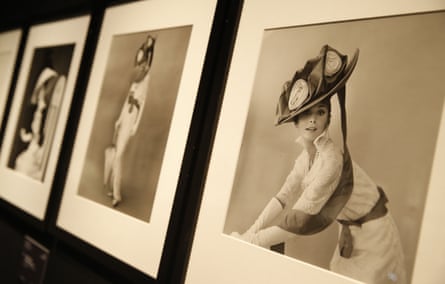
[{"x": 70, "y": 259}]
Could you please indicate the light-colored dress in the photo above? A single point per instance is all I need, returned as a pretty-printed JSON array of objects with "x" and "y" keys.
[
  {"x": 377, "y": 255},
  {"x": 126, "y": 127}
]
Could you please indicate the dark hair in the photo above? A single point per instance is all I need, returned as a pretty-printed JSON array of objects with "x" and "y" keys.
[{"x": 326, "y": 102}]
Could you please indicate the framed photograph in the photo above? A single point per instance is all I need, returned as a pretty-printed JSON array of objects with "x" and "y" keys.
[
  {"x": 133, "y": 128},
  {"x": 271, "y": 210},
  {"x": 9, "y": 46},
  {"x": 39, "y": 112}
]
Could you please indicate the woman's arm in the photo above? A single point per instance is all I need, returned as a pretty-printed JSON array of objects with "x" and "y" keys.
[
  {"x": 141, "y": 99},
  {"x": 270, "y": 212},
  {"x": 301, "y": 222},
  {"x": 268, "y": 237},
  {"x": 287, "y": 191},
  {"x": 323, "y": 185},
  {"x": 275, "y": 206}
]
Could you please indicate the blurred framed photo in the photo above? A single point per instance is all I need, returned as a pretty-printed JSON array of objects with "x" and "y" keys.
[
  {"x": 39, "y": 113},
  {"x": 385, "y": 101},
  {"x": 9, "y": 45},
  {"x": 133, "y": 128}
]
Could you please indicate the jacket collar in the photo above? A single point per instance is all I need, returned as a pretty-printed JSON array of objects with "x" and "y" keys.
[{"x": 319, "y": 142}]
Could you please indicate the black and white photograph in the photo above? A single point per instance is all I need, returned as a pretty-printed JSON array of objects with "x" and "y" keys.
[
  {"x": 132, "y": 120},
  {"x": 5, "y": 58},
  {"x": 39, "y": 114},
  {"x": 328, "y": 171},
  {"x": 133, "y": 128},
  {"x": 39, "y": 111},
  {"x": 293, "y": 123},
  {"x": 9, "y": 44}
]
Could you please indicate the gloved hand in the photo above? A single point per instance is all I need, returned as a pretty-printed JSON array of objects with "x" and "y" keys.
[
  {"x": 270, "y": 212},
  {"x": 271, "y": 236},
  {"x": 265, "y": 237}
]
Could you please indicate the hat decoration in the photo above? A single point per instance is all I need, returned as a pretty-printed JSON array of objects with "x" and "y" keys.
[
  {"x": 320, "y": 78},
  {"x": 47, "y": 78},
  {"x": 145, "y": 52},
  {"x": 144, "y": 58}
]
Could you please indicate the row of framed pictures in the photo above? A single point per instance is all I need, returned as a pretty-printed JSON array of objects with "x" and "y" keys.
[
  {"x": 133, "y": 128},
  {"x": 130, "y": 143}
]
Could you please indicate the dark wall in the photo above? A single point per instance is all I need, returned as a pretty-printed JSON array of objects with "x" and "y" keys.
[
  {"x": 11, "y": 242},
  {"x": 19, "y": 12},
  {"x": 65, "y": 264}
]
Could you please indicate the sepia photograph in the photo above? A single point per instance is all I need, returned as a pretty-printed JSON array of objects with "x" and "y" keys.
[
  {"x": 133, "y": 128},
  {"x": 350, "y": 204},
  {"x": 132, "y": 120},
  {"x": 5, "y": 59},
  {"x": 5, "y": 75},
  {"x": 40, "y": 110},
  {"x": 9, "y": 44},
  {"x": 325, "y": 164}
]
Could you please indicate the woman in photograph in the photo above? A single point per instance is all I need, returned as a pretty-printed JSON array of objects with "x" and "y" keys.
[
  {"x": 47, "y": 98},
  {"x": 127, "y": 124},
  {"x": 326, "y": 184}
]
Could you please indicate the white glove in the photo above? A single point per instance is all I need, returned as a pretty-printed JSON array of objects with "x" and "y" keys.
[
  {"x": 270, "y": 212},
  {"x": 271, "y": 236},
  {"x": 266, "y": 237}
]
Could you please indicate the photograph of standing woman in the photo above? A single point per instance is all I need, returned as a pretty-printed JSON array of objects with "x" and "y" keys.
[
  {"x": 132, "y": 123},
  {"x": 341, "y": 121},
  {"x": 128, "y": 122}
]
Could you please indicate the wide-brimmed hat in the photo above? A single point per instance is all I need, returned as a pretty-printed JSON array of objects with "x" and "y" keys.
[
  {"x": 46, "y": 77},
  {"x": 320, "y": 78}
]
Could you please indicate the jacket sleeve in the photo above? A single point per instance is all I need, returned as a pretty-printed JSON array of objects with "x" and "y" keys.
[
  {"x": 293, "y": 181},
  {"x": 321, "y": 188},
  {"x": 301, "y": 223}
]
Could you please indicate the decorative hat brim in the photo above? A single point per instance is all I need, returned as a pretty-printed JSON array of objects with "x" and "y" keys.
[{"x": 346, "y": 74}]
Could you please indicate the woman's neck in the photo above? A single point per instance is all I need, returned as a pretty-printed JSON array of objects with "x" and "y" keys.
[{"x": 309, "y": 146}]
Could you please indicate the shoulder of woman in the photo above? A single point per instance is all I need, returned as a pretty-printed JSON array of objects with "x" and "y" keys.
[
  {"x": 330, "y": 151},
  {"x": 326, "y": 144}
]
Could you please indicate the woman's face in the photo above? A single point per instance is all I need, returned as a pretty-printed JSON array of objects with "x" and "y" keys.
[{"x": 312, "y": 122}]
